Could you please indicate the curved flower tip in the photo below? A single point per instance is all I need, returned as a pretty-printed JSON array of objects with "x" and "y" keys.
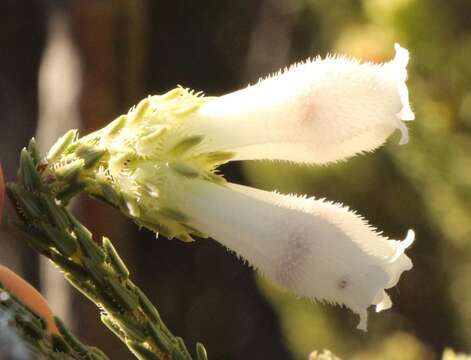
[
  {"x": 399, "y": 263},
  {"x": 318, "y": 111},
  {"x": 313, "y": 248},
  {"x": 405, "y": 114}
]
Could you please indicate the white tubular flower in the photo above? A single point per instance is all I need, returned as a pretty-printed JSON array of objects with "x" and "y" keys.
[
  {"x": 314, "y": 112},
  {"x": 157, "y": 164},
  {"x": 313, "y": 248}
]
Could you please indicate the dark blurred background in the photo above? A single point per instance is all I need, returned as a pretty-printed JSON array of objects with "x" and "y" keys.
[{"x": 79, "y": 64}]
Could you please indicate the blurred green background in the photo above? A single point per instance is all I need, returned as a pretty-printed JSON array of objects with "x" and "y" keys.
[{"x": 81, "y": 63}]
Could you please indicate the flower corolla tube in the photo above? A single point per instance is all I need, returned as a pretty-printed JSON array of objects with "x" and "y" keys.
[{"x": 158, "y": 165}]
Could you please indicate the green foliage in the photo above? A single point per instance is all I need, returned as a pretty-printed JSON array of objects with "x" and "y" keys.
[
  {"x": 29, "y": 331},
  {"x": 95, "y": 269}
]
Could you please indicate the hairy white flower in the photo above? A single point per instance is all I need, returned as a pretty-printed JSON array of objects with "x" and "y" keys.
[
  {"x": 314, "y": 248},
  {"x": 158, "y": 163},
  {"x": 314, "y": 112}
]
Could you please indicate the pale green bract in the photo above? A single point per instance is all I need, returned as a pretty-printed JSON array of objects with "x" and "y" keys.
[{"x": 134, "y": 162}]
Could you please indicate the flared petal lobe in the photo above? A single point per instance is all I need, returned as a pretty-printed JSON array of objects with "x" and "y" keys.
[
  {"x": 313, "y": 248},
  {"x": 314, "y": 112}
]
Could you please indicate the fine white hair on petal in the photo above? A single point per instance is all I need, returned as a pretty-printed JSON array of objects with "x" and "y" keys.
[
  {"x": 313, "y": 248},
  {"x": 315, "y": 112}
]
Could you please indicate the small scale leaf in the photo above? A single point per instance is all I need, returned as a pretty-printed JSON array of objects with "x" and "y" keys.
[
  {"x": 141, "y": 351},
  {"x": 90, "y": 154},
  {"x": 184, "y": 351},
  {"x": 161, "y": 338},
  {"x": 69, "y": 267},
  {"x": 185, "y": 238},
  {"x": 34, "y": 152},
  {"x": 154, "y": 136},
  {"x": 70, "y": 191},
  {"x": 71, "y": 341},
  {"x": 63, "y": 242},
  {"x": 87, "y": 290},
  {"x": 172, "y": 214},
  {"x": 106, "y": 319},
  {"x": 150, "y": 310},
  {"x": 85, "y": 239},
  {"x": 115, "y": 126},
  {"x": 110, "y": 195},
  {"x": 59, "y": 344},
  {"x": 201, "y": 352},
  {"x": 70, "y": 172},
  {"x": 131, "y": 327},
  {"x": 183, "y": 169},
  {"x": 186, "y": 144},
  {"x": 126, "y": 298},
  {"x": 55, "y": 212},
  {"x": 96, "y": 271},
  {"x": 139, "y": 111},
  {"x": 61, "y": 145},
  {"x": 35, "y": 238},
  {"x": 28, "y": 173},
  {"x": 27, "y": 201},
  {"x": 30, "y": 327},
  {"x": 114, "y": 258},
  {"x": 157, "y": 228},
  {"x": 218, "y": 157}
]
